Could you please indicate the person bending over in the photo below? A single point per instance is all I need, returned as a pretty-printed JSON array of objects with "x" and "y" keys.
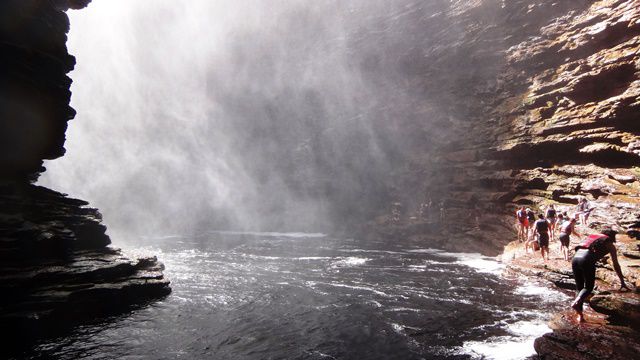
[
  {"x": 567, "y": 227},
  {"x": 588, "y": 253}
]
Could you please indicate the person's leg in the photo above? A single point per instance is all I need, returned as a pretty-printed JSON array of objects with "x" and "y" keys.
[
  {"x": 583, "y": 220},
  {"x": 580, "y": 268},
  {"x": 520, "y": 231},
  {"x": 589, "y": 274}
]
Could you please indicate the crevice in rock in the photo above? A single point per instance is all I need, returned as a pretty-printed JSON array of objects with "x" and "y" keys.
[{"x": 603, "y": 85}]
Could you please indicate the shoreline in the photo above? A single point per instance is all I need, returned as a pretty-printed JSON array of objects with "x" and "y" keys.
[{"x": 612, "y": 330}]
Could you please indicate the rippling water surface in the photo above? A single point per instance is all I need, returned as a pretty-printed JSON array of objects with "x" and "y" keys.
[{"x": 309, "y": 296}]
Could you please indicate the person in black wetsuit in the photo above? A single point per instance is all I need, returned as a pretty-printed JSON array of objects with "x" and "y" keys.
[
  {"x": 542, "y": 228},
  {"x": 588, "y": 253}
]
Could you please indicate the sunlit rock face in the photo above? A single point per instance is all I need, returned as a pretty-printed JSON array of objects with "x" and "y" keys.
[
  {"x": 579, "y": 111},
  {"x": 546, "y": 98},
  {"x": 56, "y": 269}
]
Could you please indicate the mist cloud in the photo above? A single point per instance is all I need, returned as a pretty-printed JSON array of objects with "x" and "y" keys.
[{"x": 280, "y": 115}]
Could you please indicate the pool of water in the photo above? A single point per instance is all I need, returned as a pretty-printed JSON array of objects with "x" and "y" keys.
[{"x": 243, "y": 295}]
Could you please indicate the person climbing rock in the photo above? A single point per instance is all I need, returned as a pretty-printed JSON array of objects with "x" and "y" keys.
[
  {"x": 584, "y": 210},
  {"x": 588, "y": 253},
  {"x": 542, "y": 229},
  {"x": 567, "y": 227}
]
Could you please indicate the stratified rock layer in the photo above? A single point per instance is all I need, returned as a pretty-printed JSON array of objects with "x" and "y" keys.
[
  {"x": 56, "y": 269},
  {"x": 544, "y": 97}
]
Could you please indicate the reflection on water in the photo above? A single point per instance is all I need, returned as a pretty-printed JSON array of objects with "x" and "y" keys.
[{"x": 291, "y": 296}]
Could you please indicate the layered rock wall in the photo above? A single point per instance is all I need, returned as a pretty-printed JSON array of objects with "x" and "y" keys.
[
  {"x": 543, "y": 99},
  {"x": 543, "y": 105},
  {"x": 56, "y": 269}
]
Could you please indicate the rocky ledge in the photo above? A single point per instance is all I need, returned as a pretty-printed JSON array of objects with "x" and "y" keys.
[
  {"x": 612, "y": 329},
  {"x": 57, "y": 269}
]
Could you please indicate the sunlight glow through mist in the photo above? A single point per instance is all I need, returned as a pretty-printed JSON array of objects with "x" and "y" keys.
[{"x": 239, "y": 115}]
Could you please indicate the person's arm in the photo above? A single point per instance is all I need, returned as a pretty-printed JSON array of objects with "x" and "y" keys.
[
  {"x": 573, "y": 230},
  {"x": 616, "y": 265}
]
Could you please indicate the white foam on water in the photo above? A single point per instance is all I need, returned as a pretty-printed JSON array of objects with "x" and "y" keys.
[
  {"x": 527, "y": 328},
  {"x": 397, "y": 328},
  {"x": 479, "y": 262},
  {"x": 349, "y": 261},
  {"x": 372, "y": 251},
  {"x": 545, "y": 293},
  {"x": 405, "y": 309},
  {"x": 426, "y": 251},
  {"x": 263, "y": 257},
  {"x": 355, "y": 287},
  {"x": 516, "y": 347}
]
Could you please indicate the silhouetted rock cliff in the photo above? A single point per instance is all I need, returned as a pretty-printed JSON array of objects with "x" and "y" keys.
[{"x": 56, "y": 269}]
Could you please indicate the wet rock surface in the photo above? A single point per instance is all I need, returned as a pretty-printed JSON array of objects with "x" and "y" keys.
[
  {"x": 544, "y": 114},
  {"x": 593, "y": 340},
  {"x": 612, "y": 330},
  {"x": 56, "y": 268}
]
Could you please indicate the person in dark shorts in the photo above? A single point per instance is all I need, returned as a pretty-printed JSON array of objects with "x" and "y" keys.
[
  {"x": 542, "y": 229},
  {"x": 588, "y": 253},
  {"x": 567, "y": 227}
]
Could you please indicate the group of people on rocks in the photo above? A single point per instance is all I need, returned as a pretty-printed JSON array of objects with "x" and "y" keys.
[
  {"x": 427, "y": 211},
  {"x": 587, "y": 253},
  {"x": 536, "y": 233}
]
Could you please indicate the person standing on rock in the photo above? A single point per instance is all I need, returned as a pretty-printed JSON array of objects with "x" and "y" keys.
[
  {"x": 584, "y": 211},
  {"x": 550, "y": 214},
  {"x": 523, "y": 224},
  {"x": 531, "y": 217},
  {"x": 588, "y": 253},
  {"x": 542, "y": 228},
  {"x": 567, "y": 227}
]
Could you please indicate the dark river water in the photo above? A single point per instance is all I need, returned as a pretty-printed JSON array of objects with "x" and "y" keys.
[{"x": 310, "y": 296}]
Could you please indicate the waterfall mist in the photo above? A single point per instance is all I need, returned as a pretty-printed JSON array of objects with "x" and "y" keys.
[{"x": 255, "y": 115}]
